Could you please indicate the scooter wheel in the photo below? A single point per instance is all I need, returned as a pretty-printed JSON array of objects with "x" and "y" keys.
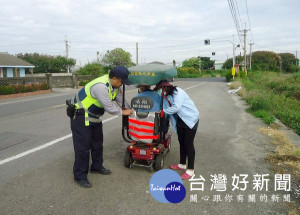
[
  {"x": 128, "y": 159},
  {"x": 159, "y": 162}
]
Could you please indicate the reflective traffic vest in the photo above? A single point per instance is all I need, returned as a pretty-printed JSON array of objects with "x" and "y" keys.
[{"x": 92, "y": 108}]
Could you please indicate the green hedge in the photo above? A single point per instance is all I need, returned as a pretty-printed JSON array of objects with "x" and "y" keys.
[
  {"x": 14, "y": 89},
  {"x": 83, "y": 83},
  {"x": 191, "y": 72}
]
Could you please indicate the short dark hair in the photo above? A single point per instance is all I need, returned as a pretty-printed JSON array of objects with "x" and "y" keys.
[{"x": 111, "y": 74}]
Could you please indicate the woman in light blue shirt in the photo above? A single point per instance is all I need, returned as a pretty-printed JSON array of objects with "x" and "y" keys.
[{"x": 184, "y": 117}]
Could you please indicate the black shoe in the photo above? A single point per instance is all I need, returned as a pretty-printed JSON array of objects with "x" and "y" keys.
[
  {"x": 102, "y": 171},
  {"x": 84, "y": 183}
]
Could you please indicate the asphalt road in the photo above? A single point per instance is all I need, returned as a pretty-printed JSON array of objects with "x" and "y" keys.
[{"x": 40, "y": 181}]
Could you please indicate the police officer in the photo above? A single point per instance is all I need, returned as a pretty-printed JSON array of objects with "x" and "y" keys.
[{"x": 90, "y": 104}]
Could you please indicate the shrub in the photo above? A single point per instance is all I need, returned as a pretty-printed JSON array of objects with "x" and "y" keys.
[
  {"x": 188, "y": 72},
  {"x": 13, "y": 89},
  {"x": 5, "y": 90},
  {"x": 83, "y": 83},
  {"x": 21, "y": 89},
  {"x": 228, "y": 75},
  {"x": 242, "y": 74},
  {"x": 92, "y": 69},
  {"x": 45, "y": 86}
]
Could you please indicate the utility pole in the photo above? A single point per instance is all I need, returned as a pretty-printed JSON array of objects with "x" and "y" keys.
[
  {"x": 97, "y": 56},
  {"x": 67, "y": 53},
  {"x": 137, "y": 53},
  {"x": 245, "y": 48},
  {"x": 251, "y": 44},
  {"x": 280, "y": 64},
  {"x": 297, "y": 61},
  {"x": 233, "y": 59},
  {"x": 200, "y": 65}
]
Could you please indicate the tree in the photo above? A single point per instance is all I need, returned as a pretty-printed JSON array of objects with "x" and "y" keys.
[
  {"x": 206, "y": 63},
  {"x": 92, "y": 69},
  {"x": 117, "y": 57},
  {"x": 191, "y": 62},
  {"x": 47, "y": 63},
  {"x": 265, "y": 60},
  {"x": 228, "y": 63},
  {"x": 289, "y": 62}
]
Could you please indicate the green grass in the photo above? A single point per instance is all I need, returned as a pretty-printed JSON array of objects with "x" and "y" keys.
[
  {"x": 272, "y": 94},
  {"x": 297, "y": 153},
  {"x": 266, "y": 116}
]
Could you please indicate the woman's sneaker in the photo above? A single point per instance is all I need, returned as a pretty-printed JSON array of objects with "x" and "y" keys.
[
  {"x": 176, "y": 167},
  {"x": 186, "y": 176}
]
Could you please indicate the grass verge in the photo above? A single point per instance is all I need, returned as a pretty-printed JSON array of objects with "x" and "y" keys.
[
  {"x": 285, "y": 160},
  {"x": 272, "y": 95}
]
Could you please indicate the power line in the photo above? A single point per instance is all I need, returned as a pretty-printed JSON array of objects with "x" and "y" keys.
[
  {"x": 235, "y": 21},
  {"x": 248, "y": 19},
  {"x": 238, "y": 12}
]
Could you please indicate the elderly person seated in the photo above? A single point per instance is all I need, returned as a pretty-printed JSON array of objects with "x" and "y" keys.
[{"x": 145, "y": 91}]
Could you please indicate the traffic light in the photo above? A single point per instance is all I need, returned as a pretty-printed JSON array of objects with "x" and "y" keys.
[
  {"x": 213, "y": 53},
  {"x": 207, "y": 42}
]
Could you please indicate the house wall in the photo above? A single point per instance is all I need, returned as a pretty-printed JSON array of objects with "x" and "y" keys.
[
  {"x": 218, "y": 66},
  {"x": 10, "y": 72}
]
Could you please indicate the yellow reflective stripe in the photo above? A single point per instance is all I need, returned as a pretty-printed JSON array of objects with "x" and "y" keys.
[
  {"x": 88, "y": 101},
  {"x": 81, "y": 106},
  {"x": 86, "y": 115}
]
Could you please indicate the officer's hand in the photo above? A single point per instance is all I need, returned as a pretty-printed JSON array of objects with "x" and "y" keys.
[{"x": 127, "y": 112}]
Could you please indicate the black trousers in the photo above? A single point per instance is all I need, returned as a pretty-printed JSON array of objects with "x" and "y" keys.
[
  {"x": 86, "y": 140},
  {"x": 186, "y": 140}
]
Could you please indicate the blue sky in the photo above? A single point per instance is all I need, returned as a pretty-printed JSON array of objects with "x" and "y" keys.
[{"x": 164, "y": 29}]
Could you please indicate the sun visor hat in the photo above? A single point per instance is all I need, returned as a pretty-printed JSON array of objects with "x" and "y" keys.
[
  {"x": 122, "y": 73},
  {"x": 164, "y": 83}
]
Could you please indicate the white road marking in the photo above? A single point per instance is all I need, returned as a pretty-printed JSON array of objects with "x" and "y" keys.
[
  {"x": 195, "y": 86},
  {"x": 61, "y": 138},
  {"x": 25, "y": 100},
  {"x": 58, "y": 106},
  {"x": 44, "y": 145}
]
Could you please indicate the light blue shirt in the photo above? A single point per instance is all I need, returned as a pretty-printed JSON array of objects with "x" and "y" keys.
[{"x": 184, "y": 106}]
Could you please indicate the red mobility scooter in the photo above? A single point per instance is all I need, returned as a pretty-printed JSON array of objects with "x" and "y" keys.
[{"x": 146, "y": 130}]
